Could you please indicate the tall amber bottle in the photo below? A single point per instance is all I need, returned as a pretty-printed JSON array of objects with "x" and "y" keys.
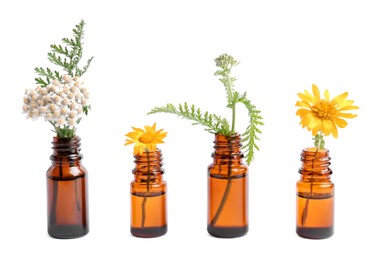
[
  {"x": 227, "y": 189},
  {"x": 148, "y": 196},
  {"x": 67, "y": 190},
  {"x": 315, "y": 195}
]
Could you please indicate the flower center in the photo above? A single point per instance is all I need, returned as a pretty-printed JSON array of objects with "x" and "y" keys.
[
  {"x": 146, "y": 138},
  {"x": 324, "y": 110}
]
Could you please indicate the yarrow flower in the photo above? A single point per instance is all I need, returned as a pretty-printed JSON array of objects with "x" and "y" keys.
[
  {"x": 323, "y": 116},
  {"x": 145, "y": 140},
  {"x": 60, "y": 103}
]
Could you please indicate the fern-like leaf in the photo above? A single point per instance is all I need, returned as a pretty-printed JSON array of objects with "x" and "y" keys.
[
  {"x": 250, "y": 135},
  {"x": 67, "y": 56},
  {"x": 212, "y": 123}
]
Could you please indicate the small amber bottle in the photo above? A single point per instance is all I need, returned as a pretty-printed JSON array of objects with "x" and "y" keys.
[
  {"x": 148, "y": 196},
  {"x": 315, "y": 195},
  {"x": 67, "y": 190},
  {"x": 227, "y": 189}
]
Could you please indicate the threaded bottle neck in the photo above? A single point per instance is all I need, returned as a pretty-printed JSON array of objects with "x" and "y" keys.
[
  {"x": 66, "y": 148},
  {"x": 315, "y": 163},
  {"x": 227, "y": 148},
  {"x": 148, "y": 163}
]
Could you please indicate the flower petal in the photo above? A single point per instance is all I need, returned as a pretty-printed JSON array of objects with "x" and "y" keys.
[
  {"x": 302, "y": 112},
  {"x": 316, "y": 92},
  {"x": 327, "y": 127},
  {"x": 346, "y": 115},
  {"x": 305, "y": 98},
  {"x": 326, "y": 95},
  {"x": 335, "y": 132},
  {"x": 341, "y": 122},
  {"x": 340, "y": 98},
  {"x": 303, "y": 104},
  {"x": 348, "y": 108}
]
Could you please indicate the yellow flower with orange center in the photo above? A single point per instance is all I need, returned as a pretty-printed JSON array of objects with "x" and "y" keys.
[
  {"x": 324, "y": 115},
  {"x": 145, "y": 140}
]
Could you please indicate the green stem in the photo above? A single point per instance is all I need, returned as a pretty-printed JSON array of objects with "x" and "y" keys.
[
  {"x": 233, "y": 118},
  {"x": 227, "y": 189},
  {"x": 143, "y": 214},
  {"x": 305, "y": 210}
]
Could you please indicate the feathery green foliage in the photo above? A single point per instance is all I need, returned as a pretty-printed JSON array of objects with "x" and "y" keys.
[
  {"x": 212, "y": 123},
  {"x": 67, "y": 57},
  {"x": 216, "y": 124}
]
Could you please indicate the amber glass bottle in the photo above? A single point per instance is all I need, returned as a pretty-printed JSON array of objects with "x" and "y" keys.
[
  {"x": 148, "y": 196},
  {"x": 315, "y": 195},
  {"x": 67, "y": 190},
  {"x": 227, "y": 189}
]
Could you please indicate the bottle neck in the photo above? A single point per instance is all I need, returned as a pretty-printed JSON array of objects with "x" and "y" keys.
[
  {"x": 66, "y": 150},
  {"x": 315, "y": 164},
  {"x": 227, "y": 149},
  {"x": 148, "y": 163}
]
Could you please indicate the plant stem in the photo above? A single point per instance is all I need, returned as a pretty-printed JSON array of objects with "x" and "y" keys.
[
  {"x": 233, "y": 117},
  {"x": 227, "y": 188},
  {"x": 143, "y": 215},
  {"x": 305, "y": 210},
  {"x": 55, "y": 191},
  {"x": 77, "y": 195}
]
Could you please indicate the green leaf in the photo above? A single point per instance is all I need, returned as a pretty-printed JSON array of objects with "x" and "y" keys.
[
  {"x": 211, "y": 122},
  {"x": 69, "y": 55}
]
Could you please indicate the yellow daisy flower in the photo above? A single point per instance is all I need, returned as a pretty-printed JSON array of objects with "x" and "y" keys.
[
  {"x": 324, "y": 115},
  {"x": 145, "y": 140}
]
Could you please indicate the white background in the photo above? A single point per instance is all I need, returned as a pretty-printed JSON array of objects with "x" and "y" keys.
[{"x": 149, "y": 53}]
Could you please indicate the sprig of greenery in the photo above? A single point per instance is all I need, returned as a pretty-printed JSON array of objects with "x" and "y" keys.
[
  {"x": 217, "y": 124},
  {"x": 250, "y": 135},
  {"x": 319, "y": 140},
  {"x": 213, "y": 123},
  {"x": 67, "y": 57}
]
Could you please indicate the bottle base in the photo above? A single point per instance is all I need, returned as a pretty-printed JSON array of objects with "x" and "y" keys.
[
  {"x": 67, "y": 231},
  {"x": 227, "y": 232},
  {"x": 315, "y": 233},
  {"x": 149, "y": 232}
]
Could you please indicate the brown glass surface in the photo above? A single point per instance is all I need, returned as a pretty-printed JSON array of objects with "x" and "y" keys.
[
  {"x": 227, "y": 189},
  {"x": 315, "y": 196},
  {"x": 148, "y": 196},
  {"x": 67, "y": 191}
]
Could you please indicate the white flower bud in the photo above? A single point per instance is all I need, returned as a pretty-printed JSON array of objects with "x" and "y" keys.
[
  {"x": 55, "y": 82},
  {"x": 56, "y": 99},
  {"x": 25, "y": 108},
  {"x": 33, "y": 105},
  {"x": 71, "y": 122},
  {"x": 56, "y": 113},
  {"x": 79, "y": 110},
  {"x": 72, "y": 114},
  {"x": 42, "y": 110},
  {"x": 60, "y": 121},
  {"x": 78, "y": 96},
  {"x": 66, "y": 101},
  {"x": 35, "y": 112},
  {"x": 64, "y": 111},
  {"x": 70, "y": 95},
  {"x": 73, "y": 89},
  {"x": 52, "y": 107},
  {"x": 48, "y": 116},
  {"x": 40, "y": 101}
]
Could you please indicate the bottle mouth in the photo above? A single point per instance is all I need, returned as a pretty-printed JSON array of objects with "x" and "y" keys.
[{"x": 315, "y": 149}]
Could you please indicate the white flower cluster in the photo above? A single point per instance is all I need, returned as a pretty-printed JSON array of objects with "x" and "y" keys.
[{"x": 59, "y": 103}]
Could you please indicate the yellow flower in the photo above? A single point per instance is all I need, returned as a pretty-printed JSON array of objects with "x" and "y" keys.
[
  {"x": 145, "y": 140},
  {"x": 324, "y": 115}
]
